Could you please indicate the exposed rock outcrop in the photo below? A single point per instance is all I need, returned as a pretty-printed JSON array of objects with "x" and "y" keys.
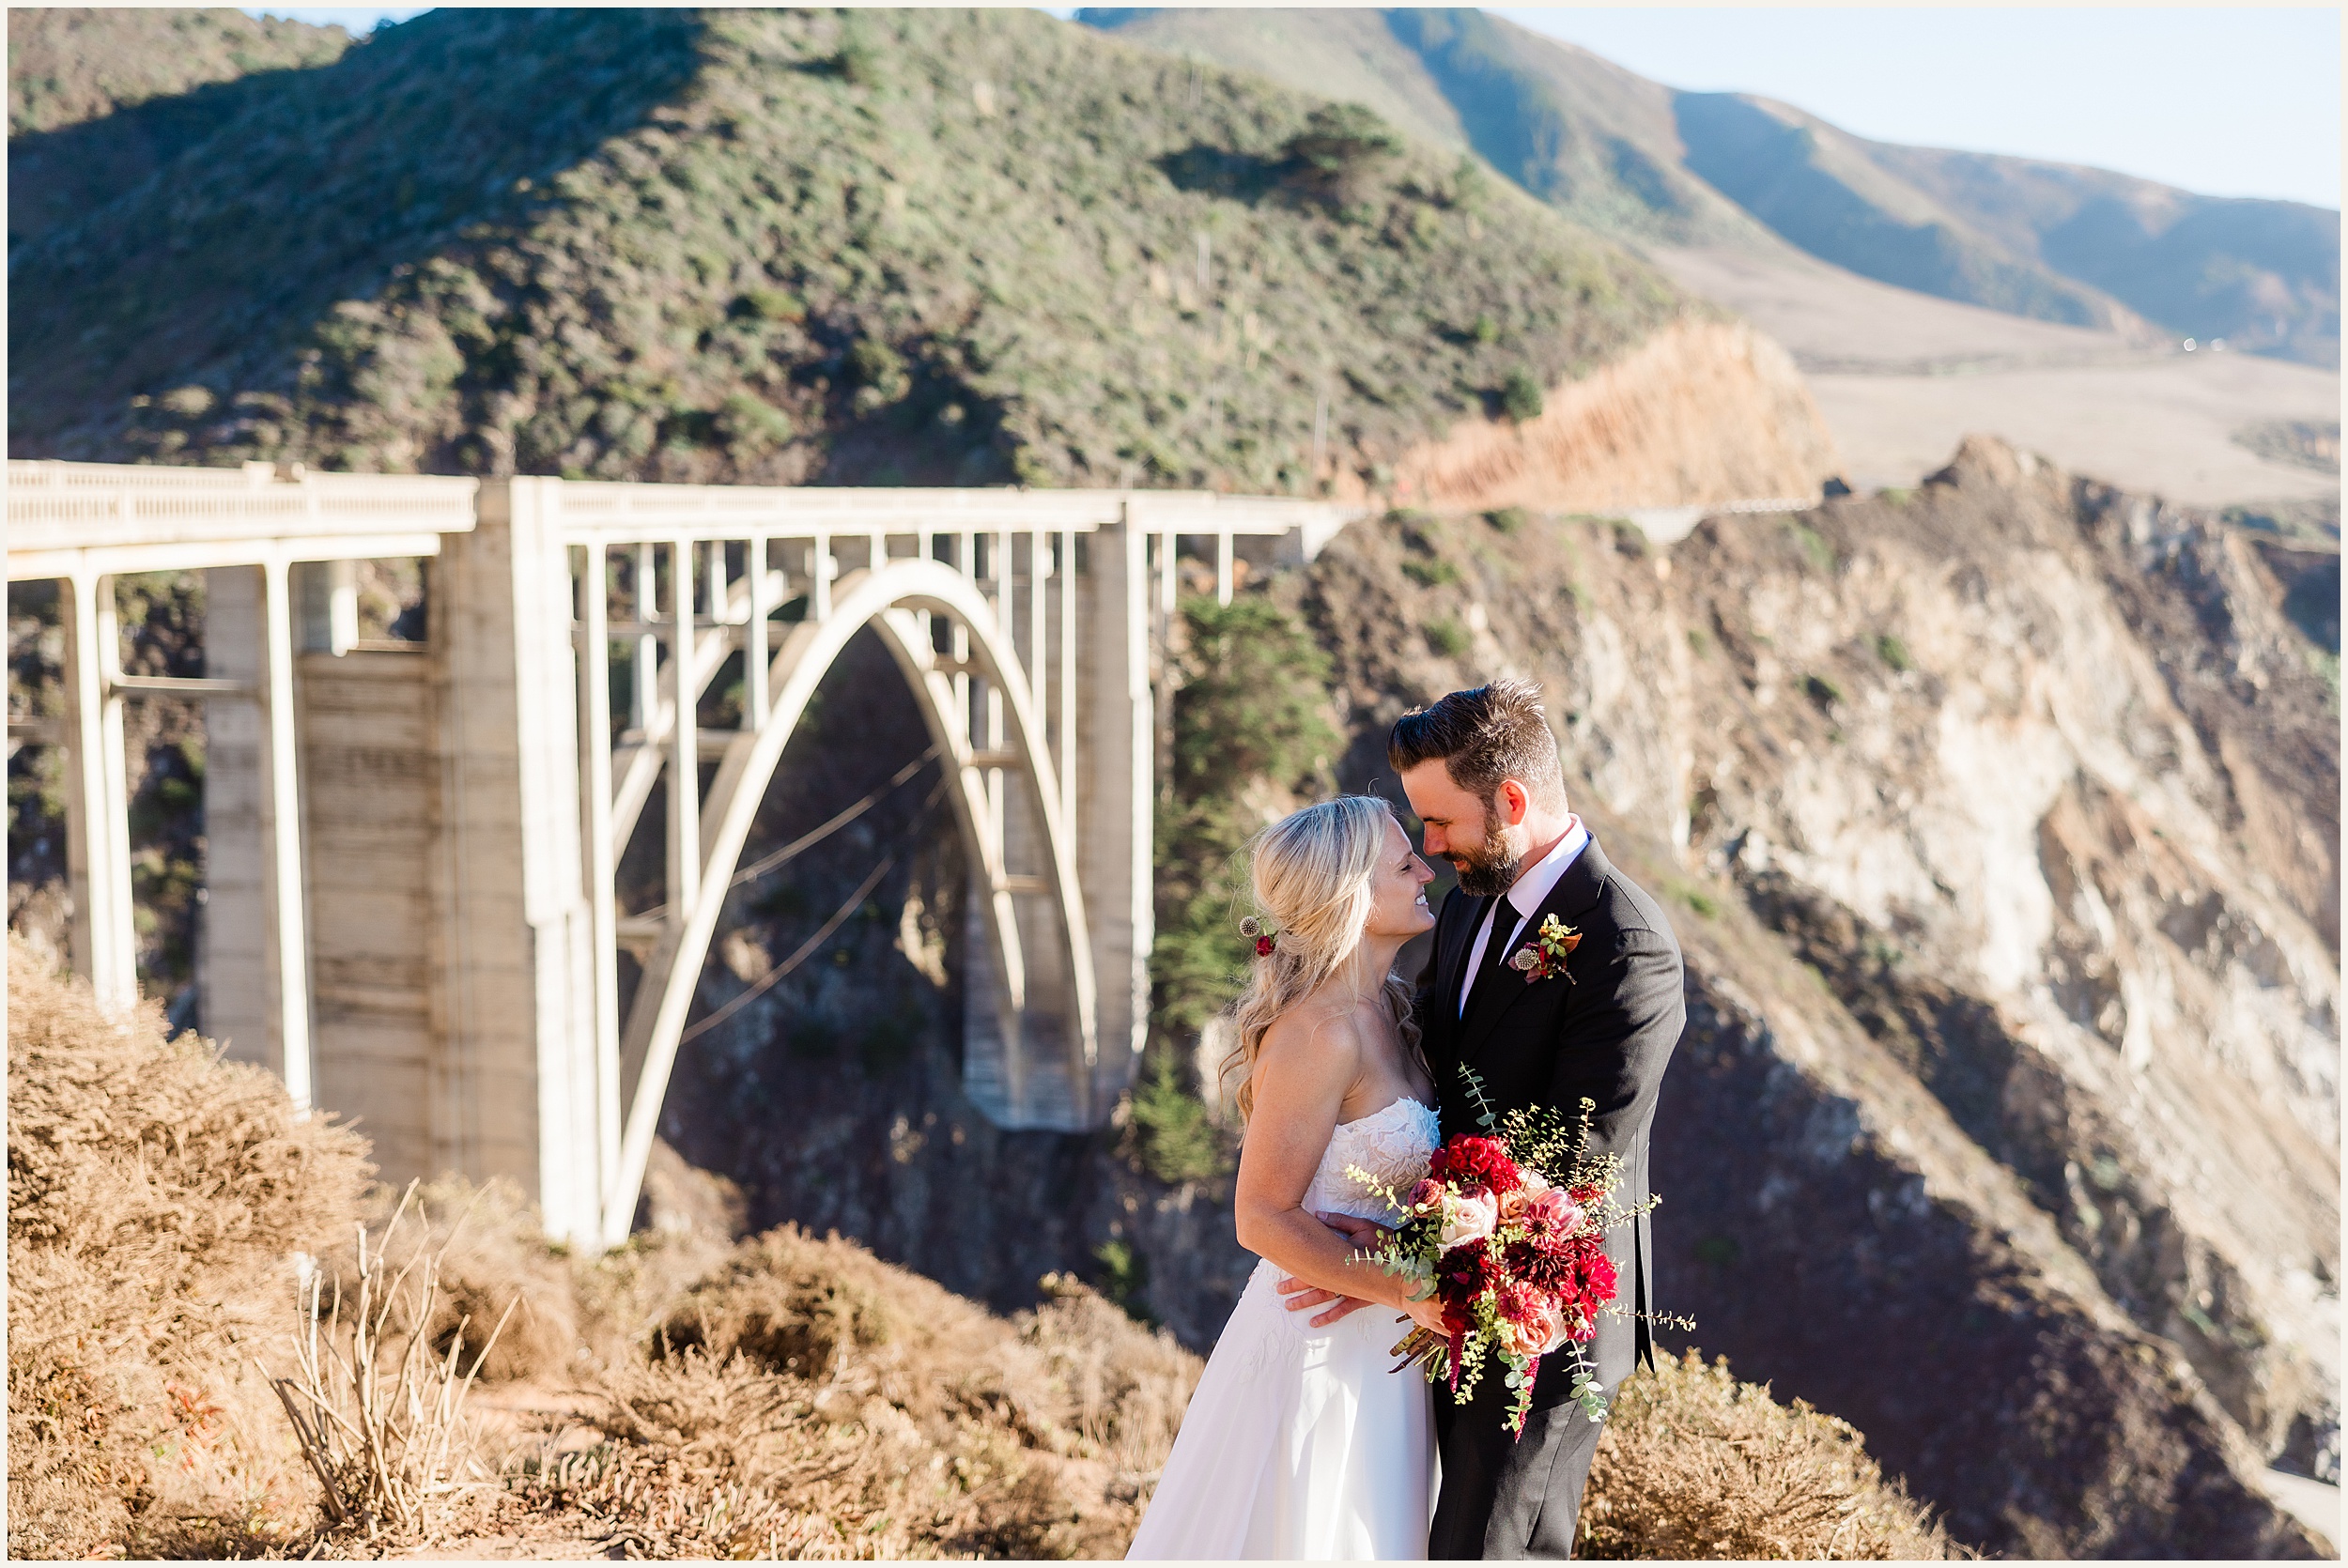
[{"x": 2001, "y": 819}]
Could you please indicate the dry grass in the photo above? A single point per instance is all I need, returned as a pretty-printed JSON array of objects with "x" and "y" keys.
[
  {"x": 1031, "y": 1438},
  {"x": 491, "y": 1254},
  {"x": 785, "y": 1396},
  {"x": 380, "y": 1413},
  {"x": 1695, "y": 1464},
  {"x": 156, "y": 1198}
]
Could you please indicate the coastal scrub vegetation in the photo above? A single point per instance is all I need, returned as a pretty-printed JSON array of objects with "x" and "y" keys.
[{"x": 871, "y": 247}]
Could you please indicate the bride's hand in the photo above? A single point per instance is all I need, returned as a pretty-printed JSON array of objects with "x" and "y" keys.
[{"x": 1428, "y": 1315}]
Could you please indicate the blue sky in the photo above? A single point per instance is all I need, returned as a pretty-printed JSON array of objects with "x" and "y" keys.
[{"x": 2227, "y": 101}]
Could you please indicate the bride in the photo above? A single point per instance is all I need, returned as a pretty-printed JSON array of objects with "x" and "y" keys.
[{"x": 1299, "y": 1443}]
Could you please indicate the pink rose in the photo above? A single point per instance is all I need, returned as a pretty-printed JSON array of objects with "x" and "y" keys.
[
  {"x": 1467, "y": 1217},
  {"x": 1542, "y": 1330},
  {"x": 1427, "y": 1197}
]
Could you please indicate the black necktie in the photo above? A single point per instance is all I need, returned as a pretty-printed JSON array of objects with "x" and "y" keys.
[{"x": 1504, "y": 919}]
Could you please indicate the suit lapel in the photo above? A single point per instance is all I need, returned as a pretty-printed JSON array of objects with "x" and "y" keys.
[
  {"x": 1576, "y": 893},
  {"x": 1452, "y": 954}
]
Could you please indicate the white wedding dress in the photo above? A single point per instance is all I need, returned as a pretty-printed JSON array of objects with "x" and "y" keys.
[{"x": 1300, "y": 1442}]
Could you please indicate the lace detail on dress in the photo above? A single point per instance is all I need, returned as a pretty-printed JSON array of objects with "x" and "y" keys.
[{"x": 1393, "y": 1145}]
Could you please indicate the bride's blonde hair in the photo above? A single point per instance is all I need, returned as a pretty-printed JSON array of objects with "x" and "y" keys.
[{"x": 1311, "y": 874}]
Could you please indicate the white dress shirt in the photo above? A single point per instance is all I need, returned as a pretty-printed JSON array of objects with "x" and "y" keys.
[{"x": 1532, "y": 884}]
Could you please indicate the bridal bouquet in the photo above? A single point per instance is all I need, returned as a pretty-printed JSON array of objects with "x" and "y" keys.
[{"x": 1509, "y": 1232}]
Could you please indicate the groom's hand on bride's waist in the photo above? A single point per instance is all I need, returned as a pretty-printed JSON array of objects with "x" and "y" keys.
[{"x": 1304, "y": 1298}]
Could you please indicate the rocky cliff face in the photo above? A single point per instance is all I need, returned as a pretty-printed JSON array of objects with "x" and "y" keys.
[
  {"x": 2002, "y": 819},
  {"x": 1999, "y": 822}
]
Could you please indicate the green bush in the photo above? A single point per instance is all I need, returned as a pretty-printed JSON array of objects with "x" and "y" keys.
[
  {"x": 751, "y": 426},
  {"x": 1249, "y": 708},
  {"x": 1822, "y": 691},
  {"x": 1892, "y": 652},
  {"x": 1486, "y": 331},
  {"x": 1430, "y": 574},
  {"x": 1507, "y": 519},
  {"x": 1696, "y": 898},
  {"x": 1813, "y": 547},
  {"x": 1446, "y": 637},
  {"x": 875, "y": 367},
  {"x": 769, "y": 304},
  {"x": 1341, "y": 149},
  {"x": 1520, "y": 395},
  {"x": 1176, "y": 1138}
]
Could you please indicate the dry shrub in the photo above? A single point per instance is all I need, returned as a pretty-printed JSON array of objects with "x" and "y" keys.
[
  {"x": 156, "y": 1196},
  {"x": 491, "y": 1254},
  {"x": 380, "y": 1413},
  {"x": 1693, "y": 1464},
  {"x": 1031, "y": 1438}
]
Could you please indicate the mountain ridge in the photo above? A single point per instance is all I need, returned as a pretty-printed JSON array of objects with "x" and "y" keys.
[
  {"x": 794, "y": 247},
  {"x": 1657, "y": 166}
]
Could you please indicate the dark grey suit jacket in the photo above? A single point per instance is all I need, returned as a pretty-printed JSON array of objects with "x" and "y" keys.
[{"x": 1605, "y": 1030}]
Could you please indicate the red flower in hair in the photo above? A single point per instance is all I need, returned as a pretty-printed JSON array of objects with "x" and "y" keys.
[{"x": 1263, "y": 946}]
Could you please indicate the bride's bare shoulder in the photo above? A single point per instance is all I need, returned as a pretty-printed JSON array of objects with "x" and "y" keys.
[{"x": 1313, "y": 1038}]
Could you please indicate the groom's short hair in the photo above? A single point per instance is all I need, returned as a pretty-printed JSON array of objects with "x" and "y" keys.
[{"x": 1482, "y": 736}]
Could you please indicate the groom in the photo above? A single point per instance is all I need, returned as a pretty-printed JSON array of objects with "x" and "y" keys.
[{"x": 1480, "y": 768}]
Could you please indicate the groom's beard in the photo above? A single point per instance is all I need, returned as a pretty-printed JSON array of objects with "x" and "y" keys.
[{"x": 1491, "y": 868}]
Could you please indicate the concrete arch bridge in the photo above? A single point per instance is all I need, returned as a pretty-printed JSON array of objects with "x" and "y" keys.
[{"x": 411, "y": 910}]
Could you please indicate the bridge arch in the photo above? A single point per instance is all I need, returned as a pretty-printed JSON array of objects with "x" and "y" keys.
[{"x": 893, "y": 598}]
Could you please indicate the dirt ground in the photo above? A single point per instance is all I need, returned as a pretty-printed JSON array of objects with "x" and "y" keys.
[{"x": 1902, "y": 377}]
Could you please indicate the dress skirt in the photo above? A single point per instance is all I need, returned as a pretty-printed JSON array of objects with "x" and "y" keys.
[{"x": 1300, "y": 1442}]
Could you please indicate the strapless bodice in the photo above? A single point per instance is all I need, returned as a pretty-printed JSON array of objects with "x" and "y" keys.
[{"x": 1393, "y": 1145}]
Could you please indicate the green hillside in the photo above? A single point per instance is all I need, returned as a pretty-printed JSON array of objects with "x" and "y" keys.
[
  {"x": 1635, "y": 158},
  {"x": 874, "y": 246},
  {"x": 69, "y": 64},
  {"x": 99, "y": 99},
  {"x": 1587, "y": 137}
]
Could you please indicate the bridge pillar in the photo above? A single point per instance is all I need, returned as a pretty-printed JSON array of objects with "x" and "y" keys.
[
  {"x": 518, "y": 1081},
  {"x": 1116, "y": 738},
  {"x": 232, "y": 965}
]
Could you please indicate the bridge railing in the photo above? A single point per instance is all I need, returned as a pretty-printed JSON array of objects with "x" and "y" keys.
[{"x": 545, "y": 589}]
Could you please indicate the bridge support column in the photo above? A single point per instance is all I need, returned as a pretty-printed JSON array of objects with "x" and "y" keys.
[
  {"x": 1117, "y": 727},
  {"x": 98, "y": 840},
  {"x": 232, "y": 973},
  {"x": 519, "y": 1087}
]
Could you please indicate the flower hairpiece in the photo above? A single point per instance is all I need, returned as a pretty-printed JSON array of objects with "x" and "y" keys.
[{"x": 1266, "y": 939}]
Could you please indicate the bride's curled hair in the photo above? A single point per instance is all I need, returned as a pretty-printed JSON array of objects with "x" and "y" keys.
[{"x": 1311, "y": 873}]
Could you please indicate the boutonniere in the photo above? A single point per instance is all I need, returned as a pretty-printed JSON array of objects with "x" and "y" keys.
[{"x": 1546, "y": 954}]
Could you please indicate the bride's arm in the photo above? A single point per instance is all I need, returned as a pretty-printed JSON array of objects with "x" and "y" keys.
[{"x": 1301, "y": 1079}]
